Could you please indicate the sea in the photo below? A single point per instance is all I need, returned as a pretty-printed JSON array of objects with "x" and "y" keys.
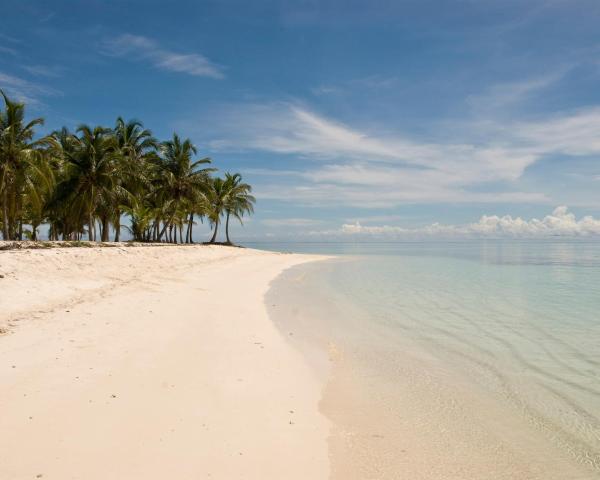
[{"x": 451, "y": 360}]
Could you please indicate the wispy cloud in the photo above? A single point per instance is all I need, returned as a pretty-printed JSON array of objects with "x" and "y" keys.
[
  {"x": 8, "y": 50},
  {"x": 136, "y": 47},
  {"x": 560, "y": 223},
  {"x": 326, "y": 90},
  {"x": 573, "y": 133},
  {"x": 24, "y": 90},
  {"x": 291, "y": 222},
  {"x": 8, "y": 38},
  {"x": 43, "y": 70},
  {"x": 290, "y": 129},
  {"x": 46, "y": 18},
  {"x": 333, "y": 195},
  {"x": 368, "y": 82},
  {"x": 355, "y": 167},
  {"x": 508, "y": 94},
  {"x": 375, "y": 81}
]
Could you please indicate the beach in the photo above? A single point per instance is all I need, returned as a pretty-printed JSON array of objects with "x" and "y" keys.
[
  {"x": 152, "y": 362},
  {"x": 347, "y": 362}
]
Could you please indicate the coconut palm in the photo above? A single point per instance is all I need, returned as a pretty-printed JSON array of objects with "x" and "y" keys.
[
  {"x": 136, "y": 146},
  {"x": 217, "y": 195},
  {"x": 38, "y": 183},
  {"x": 92, "y": 185},
  {"x": 20, "y": 163},
  {"x": 183, "y": 181},
  {"x": 238, "y": 200},
  {"x": 82, "y": 181}
]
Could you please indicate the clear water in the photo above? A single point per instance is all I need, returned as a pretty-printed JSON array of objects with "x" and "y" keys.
[{"x": 516, "y": 322}]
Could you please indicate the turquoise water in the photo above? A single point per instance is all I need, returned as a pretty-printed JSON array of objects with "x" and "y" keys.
[{"x": 519, "y": 322}]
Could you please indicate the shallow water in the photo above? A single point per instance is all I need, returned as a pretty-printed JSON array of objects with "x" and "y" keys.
[{"x": 465, "y": 360}]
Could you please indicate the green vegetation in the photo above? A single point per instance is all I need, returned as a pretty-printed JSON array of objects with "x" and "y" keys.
[{"x": 82, "y": 183}]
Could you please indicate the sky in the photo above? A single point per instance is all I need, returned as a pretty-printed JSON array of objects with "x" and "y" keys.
[{"x": 368, "y": 119}]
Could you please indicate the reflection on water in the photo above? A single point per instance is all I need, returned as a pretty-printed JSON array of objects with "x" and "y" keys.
[{"x": 520, "y": 320}]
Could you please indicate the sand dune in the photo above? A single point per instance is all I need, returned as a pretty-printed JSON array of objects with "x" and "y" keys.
[{"x": 153, "y": 363}]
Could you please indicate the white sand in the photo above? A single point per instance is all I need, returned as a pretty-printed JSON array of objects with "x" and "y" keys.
[{"x": 152, "y": 363}]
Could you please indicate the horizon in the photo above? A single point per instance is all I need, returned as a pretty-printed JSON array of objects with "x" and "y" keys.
[{"x": 349, "y": 121}]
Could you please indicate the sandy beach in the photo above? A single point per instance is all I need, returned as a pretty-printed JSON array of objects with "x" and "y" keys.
[{"x": 154, "y": 363}]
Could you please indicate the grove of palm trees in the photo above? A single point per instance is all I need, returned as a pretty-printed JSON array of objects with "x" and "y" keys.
[{"x": 82, "y": 184}]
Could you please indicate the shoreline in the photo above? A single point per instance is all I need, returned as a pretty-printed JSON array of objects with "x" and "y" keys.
[{"x": 147, "y": 363}]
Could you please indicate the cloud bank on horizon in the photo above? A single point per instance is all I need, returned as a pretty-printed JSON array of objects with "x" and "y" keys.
[{"x": 559, "y": 224}]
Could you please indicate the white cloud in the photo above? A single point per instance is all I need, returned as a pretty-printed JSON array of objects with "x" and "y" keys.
[
  {"x": 290, "y": 129},
  {"x": 507, "y": 94},
  {"x": 43, "y": 70},
  {"x": 352, "y": 166},
  {"x": 291, "y": 222},
  {"x": 370, "y": 82},
  {"x": 8, "y": 50},
  {"x": 8, "y": 38},
  {"x": 574, "y": 133},
  {"x": 24, "y": 90},
  {"x": 376, "y": 81},
  {"x": 138, "y": 47},
  {"x": 326, "y": 90},
  {"x": 560, "y": 223},
  {"x": 360, "y": 196}
]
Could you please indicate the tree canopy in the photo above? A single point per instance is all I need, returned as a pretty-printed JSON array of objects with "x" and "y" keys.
[{"x": 82, "y": 184}]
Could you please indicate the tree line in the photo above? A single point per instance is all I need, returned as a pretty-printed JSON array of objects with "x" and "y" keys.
[{"x": 82, "y": 184}]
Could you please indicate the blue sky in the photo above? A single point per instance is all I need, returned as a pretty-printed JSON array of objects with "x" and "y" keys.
[{"x": 349, "y": 118}]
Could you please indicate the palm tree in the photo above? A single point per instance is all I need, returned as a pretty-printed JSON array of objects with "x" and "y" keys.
[
  {"x": 20, "y": 163},
  {"x": 60, "y": 214},
  {"x": 183, "y": 182},
  {"x": 92, "y": 185},
  {"x": 136, "y": 146},
  {"x": 38, "y": 187},
  {"x": 238, "y": 201},
  {"x": 217, "y": 196},
  {"x": 78, "y": 182}
]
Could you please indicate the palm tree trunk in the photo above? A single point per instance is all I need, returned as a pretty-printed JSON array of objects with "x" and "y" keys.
[
  {"x": 181, "y": 232},
  {"x": 214, "y": 237},
  {"x": 188, "y": 236},
  {"x": 105, "y": 228},
  {"x": 118, "y": 225},
  {"x": 165, "y": 226},
  {"x": 227, "y": 228},
  {"x": 20, "y": 214},
  {"x": 12, "y": 231},
  {"x": 91, "y": 227},
  {"x": 5, "y": 234}
]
